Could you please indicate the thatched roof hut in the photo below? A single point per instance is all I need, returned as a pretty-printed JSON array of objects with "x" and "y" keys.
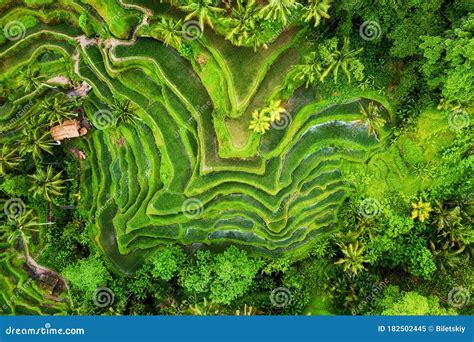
[{"x": 67, "y": 130}]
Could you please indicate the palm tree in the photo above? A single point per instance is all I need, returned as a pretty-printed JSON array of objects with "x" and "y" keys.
[
  {"x": 35, "y": 142},
  {"x": 9, "y": 159},
  {"x": 274, "y": 110},
  {"x": 47, "y": 184},
  {"x": 353, "y": 259},
  {"x": 12, "y": 230},
  {"x": 170, "y": 32},
  {"x": 203, "y": 10},
  {"x": 260, "y": 122},
  {"x": 309, "y": 71},
  {"x": 371, "y": 117},
  {"x": 125, "y": 112},
  {"x": 253, "y": 35},
  {"x": 317, "y": 9},
  {"x": 240, "y": 22},
  {"x": 421, "y": 210},
  {"x": 57, "y": 110},
  {"x": 343, "y": 59},
  {"x": 31, "y": 80},
  {"x": 279, "y": 10}
]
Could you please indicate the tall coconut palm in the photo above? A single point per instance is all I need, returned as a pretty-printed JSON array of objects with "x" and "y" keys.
[
  {"x": 9, "y": 159},
  {"x": 343, "y": 59},
  {"x": 260, "y": 122},
  {"x": 57, "y": 109},
  {"x": 316, "y": 10},
  {"x": 279, "y": 10},
  {"x": 242, "y": 15},
  {"x": 203, "y": 10},
  {"x": 125, "y": 112},
  {"x": 12, "y": 229},
  {"x": 35, "y": 142},
  {"x": 310, "y": 70},
  {"x": 46, "y": 184},
  {"x": 31, "y": 80},
  {"x": 253, "y": 35},
  {"x": 170, "y": 32},
  {"x": 353, "y": 257},
  {"x": 372, "y": 118}
]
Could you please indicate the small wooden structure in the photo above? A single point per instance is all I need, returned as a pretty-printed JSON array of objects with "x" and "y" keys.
[
  {"x": 68, "y": 129},
  {"x": 80, "y": 91}
]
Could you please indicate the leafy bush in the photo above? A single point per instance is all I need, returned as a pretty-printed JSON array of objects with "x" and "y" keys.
[
  {"x": 87, "y": 275},
  {"x": 225, "y": 276},
  {"x": 395, "y": 302},
  {"x": 166, "y": 262}
]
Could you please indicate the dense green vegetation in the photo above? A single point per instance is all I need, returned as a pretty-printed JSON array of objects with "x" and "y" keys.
[{"x": 241, "y": 157}]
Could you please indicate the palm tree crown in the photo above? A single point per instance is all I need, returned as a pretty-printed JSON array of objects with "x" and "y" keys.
[
  {"x": 372, "y": 118},
  {"x": 241, "y": 21},
  {"x": 279, "y": 10},
  {"x": 170, "y": 32},
  {"x": 274, "y": 110},
  {"x": 341, "y": 59},
  {"x": 316, "y": 10},
  {"x": 260, "y": 122},
  {"x": 57, "y": 110},
  {"x": 47, "y": 184},
  {"x": 125, "y": 112},
  {"x": 353, "y": 259},
  {"x": 12, "y": 229},
  {"x": 310, "y": 70},
  {"x": 9, "y": 159},
  {"x": 35, "y": 142},
  {"x": 203, "y": 10}
]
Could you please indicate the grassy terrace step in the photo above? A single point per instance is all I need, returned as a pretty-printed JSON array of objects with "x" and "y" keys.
[
  {"x": 270, "y": 194},
  {"x": 243, "y": 83},
  {"x": 291, "y": 231},
  {"x": 177, "y": 72},
  {"x": 19, "y": 295},
  {"x": 239, "y": 203},
  {"x": 20, "y": 56}
]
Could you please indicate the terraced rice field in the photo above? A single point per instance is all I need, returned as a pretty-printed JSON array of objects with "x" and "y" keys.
[
  {"x": 20, "y": 295},
  {"x": 190, "y": 171}
]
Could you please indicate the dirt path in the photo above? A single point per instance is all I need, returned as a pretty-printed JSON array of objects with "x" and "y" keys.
[{"x": 40, "y": 272}]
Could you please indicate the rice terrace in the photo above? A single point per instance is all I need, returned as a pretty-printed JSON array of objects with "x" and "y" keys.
[{"x": 238, "y": 157}]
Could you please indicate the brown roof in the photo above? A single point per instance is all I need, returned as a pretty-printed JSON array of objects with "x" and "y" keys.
[{"x": 68, "y": 129}]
